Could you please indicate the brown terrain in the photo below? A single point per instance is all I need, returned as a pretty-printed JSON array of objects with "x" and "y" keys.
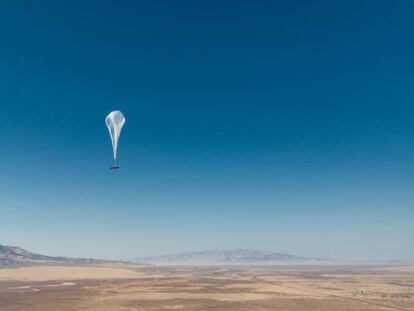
[{"x": 127, "y": 288}]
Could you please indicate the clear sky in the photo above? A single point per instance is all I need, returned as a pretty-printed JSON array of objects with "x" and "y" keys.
[{"x": 278, "y": 125}]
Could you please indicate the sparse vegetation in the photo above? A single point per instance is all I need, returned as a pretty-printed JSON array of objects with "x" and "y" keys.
[{"x": 127, "y": 288}]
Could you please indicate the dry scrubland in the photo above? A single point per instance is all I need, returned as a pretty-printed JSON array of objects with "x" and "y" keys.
[{"x": 126, "y": 288}]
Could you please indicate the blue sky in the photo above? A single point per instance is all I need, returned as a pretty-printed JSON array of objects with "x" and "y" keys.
[{"x": 250, "y": 124}]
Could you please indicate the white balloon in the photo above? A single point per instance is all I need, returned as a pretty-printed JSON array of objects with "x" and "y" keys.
[{"x": 115, "y": 121}]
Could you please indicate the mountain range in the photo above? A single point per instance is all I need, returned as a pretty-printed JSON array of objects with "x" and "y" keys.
[
  {"x": 17, "y": 256},
  {"x": 229, "y": 257}
]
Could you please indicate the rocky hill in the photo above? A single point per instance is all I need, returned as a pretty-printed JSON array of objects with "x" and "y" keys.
[{"x": 12, "y": 256}]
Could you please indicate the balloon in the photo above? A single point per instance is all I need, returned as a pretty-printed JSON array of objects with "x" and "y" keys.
[{"x": 115, "y": 121}]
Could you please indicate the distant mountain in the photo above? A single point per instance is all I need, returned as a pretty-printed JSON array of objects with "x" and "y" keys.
[
  {"x": 12, "y": 255},
  {"x": 228, "y": 257}
]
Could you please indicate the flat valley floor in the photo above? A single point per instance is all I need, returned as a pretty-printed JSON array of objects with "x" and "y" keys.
[{"x": 127, "y": 288}]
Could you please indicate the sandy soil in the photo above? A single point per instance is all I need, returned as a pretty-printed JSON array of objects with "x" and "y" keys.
[
  {"x": 137, "y": 288},
  {"x": 45, "y": 273}
]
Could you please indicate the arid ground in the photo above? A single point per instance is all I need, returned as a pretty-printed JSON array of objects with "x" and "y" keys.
[{"x": 127, "y": 288}]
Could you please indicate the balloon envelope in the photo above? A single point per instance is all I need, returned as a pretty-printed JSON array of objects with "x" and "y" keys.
[{"x": 115, "y": 121}]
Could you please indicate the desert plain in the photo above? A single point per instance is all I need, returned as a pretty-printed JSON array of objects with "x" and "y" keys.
[{"x": 144, "y": 288}]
